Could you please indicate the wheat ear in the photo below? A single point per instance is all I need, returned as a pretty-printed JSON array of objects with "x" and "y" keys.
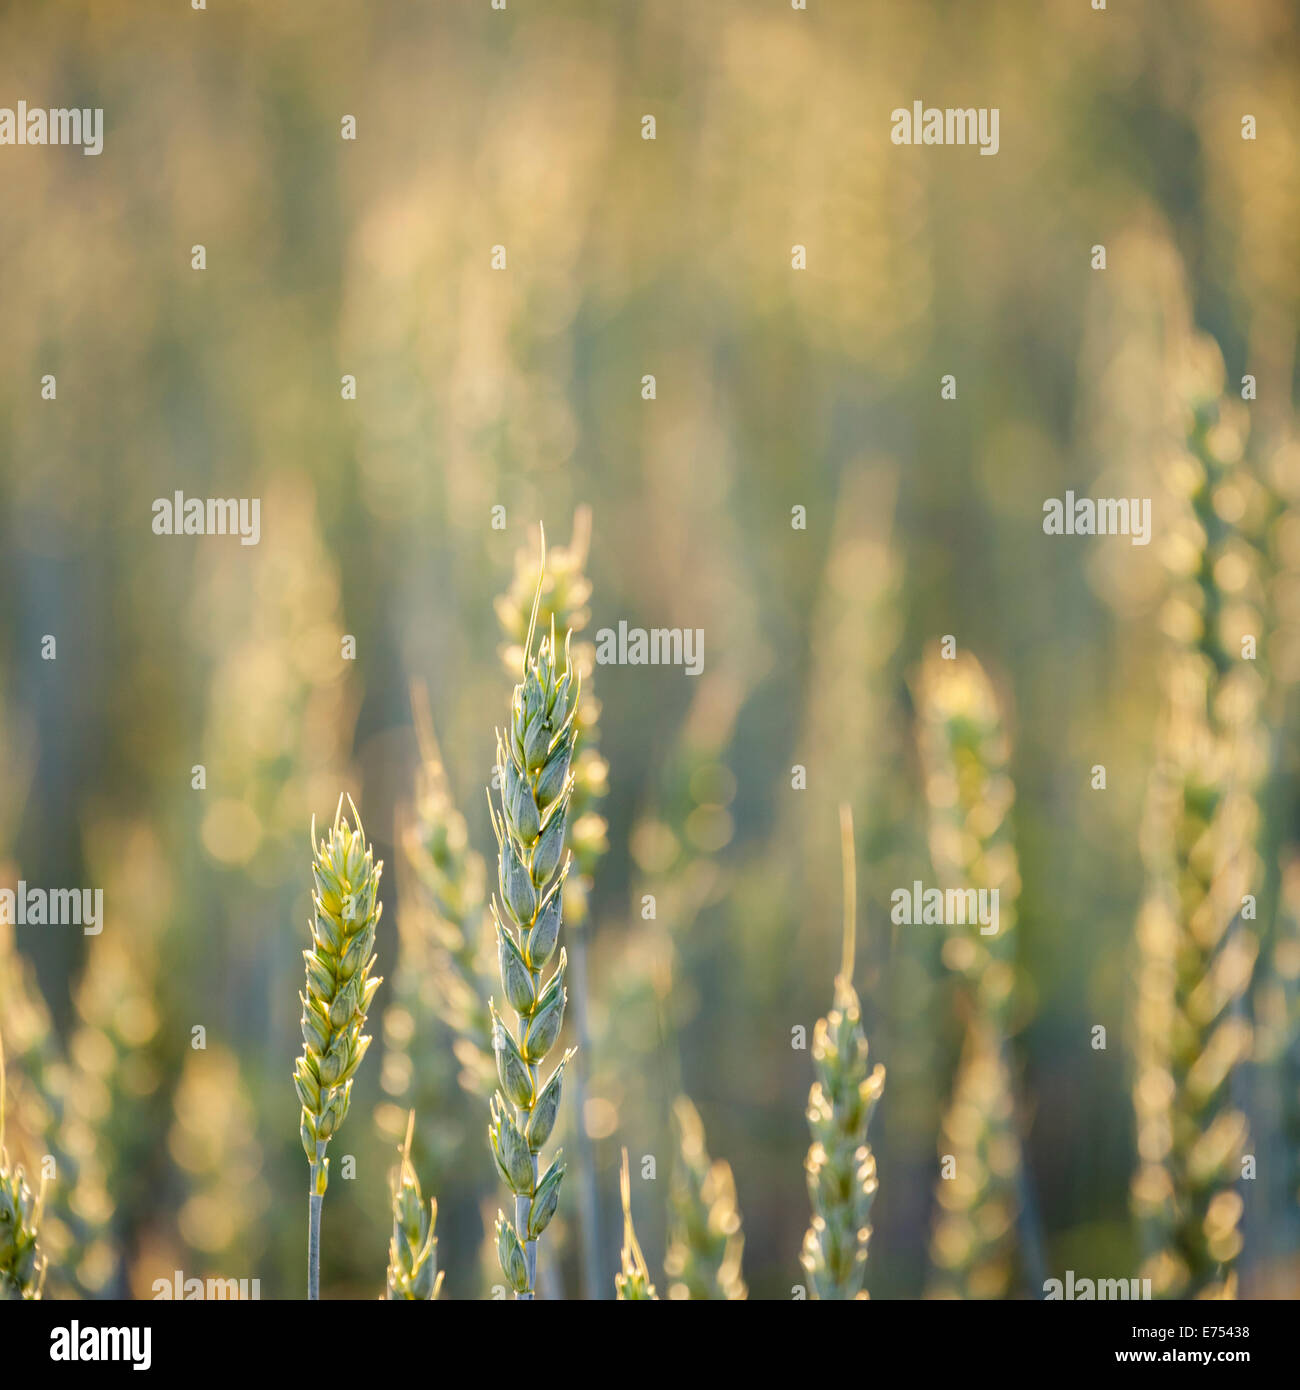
[
  {"x": 413, "y": 1272},
  {"x": 533, "y": 760},
  {"x": 841, "y": 1168},
  {"x": 339, "y": 991},
  {"x": 563, "y": 602},
  {"x": 965, "y": 753},
  {"x": 22, "y": 1266},
  {"x": 632, "y": 1283},
  {"x": 1197, "y": 953},
  {"x": 705, "y": 1241}
]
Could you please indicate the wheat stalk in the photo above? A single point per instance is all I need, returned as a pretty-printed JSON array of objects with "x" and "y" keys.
[
  {"x": 533, "y": 759},
  {"x": 841, "y": 1168},
  {"x": 563, "y": 603},
  {"x": 1197, "y": 954},
  {"x": 22, "y": 1266},
  {"x": 965, "y": 754},
  {"x": 705, "y": 1240},
  {"x": 632, "y": 1283},
  {"x": 339, "y": 991},
  {"x": 413, "y": 1272}
]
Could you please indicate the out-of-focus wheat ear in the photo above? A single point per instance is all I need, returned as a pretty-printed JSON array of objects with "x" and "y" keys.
[
  {"x": 840, "y": 1167},
  {"x": 444, "y": 971},
  {"x": 976, "y": 1249},
  {"x": 632, "y": 1283},
  {"x": 22, "y": 1265},
  {"x": 413, "y": 1272},
  {"x": 1200, "y": 834},
  {"x": 705, "y": 1238},
  {"x": 339, "y": 988},
  {"x": 37, "y": 1102}
]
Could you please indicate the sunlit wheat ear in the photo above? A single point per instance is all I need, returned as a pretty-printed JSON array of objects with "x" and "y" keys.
[
  {"x": 22, "y": 1266},
  {"x": 632, "y": 1282},
  {"x": 705, "y": 1239},
  {"x": 413, "y": 1272},
  {"x": 560, "y": 601},
  {"x": 965, "y": 755},
  {"x": 1197, "y": 952},
  {"x": 529, "y": 819},
  {"x": 339, "y": 991},
  {"x": 841, "y": 1168},
  {"x": 564, "y": 602}
]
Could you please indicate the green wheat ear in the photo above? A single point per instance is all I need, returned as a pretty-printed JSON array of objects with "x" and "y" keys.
[
  {"x": 533, "y": 759},
  {"x": 633, "y": 1281},
  {"x": 339, "y": 991},
  {"x": 705, "y": 1242},
  {"x": 22, "y": 1266},
  {"x": 413, "y": 1272},
  {"x": 965, "y": 753},
  {"x": 561, "y": 599},
  {"x": 1200, "y": 834},
  {"x": 840, "y": 1166}
]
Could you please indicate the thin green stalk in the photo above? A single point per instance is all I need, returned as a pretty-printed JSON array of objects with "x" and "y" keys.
[{"x": 314, "y": 1202}]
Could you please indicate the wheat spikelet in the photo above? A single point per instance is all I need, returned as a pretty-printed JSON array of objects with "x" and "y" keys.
[
  {"x": 22, "y": 1265},
  {"x": 533, "y": 760},
  {"x": 339, "y": 990},
  {"x": 1197, "y": 953},
  {"x": 965, "y": 753},
  {"x": 413, "y": 1272},
  {"x": 632, "y": 1283},
  {"x": 840, "y": 1166},
  {"x": 705, "y": 1240}
]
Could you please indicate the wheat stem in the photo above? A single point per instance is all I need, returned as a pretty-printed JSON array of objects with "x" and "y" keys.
[{"x": 314, "y": 1202}]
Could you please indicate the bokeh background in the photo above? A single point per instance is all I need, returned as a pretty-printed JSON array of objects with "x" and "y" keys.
[{"x": 522, "y": 389}]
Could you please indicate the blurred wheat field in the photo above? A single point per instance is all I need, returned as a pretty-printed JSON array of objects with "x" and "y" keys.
[{"x": 501, "y": 304}]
